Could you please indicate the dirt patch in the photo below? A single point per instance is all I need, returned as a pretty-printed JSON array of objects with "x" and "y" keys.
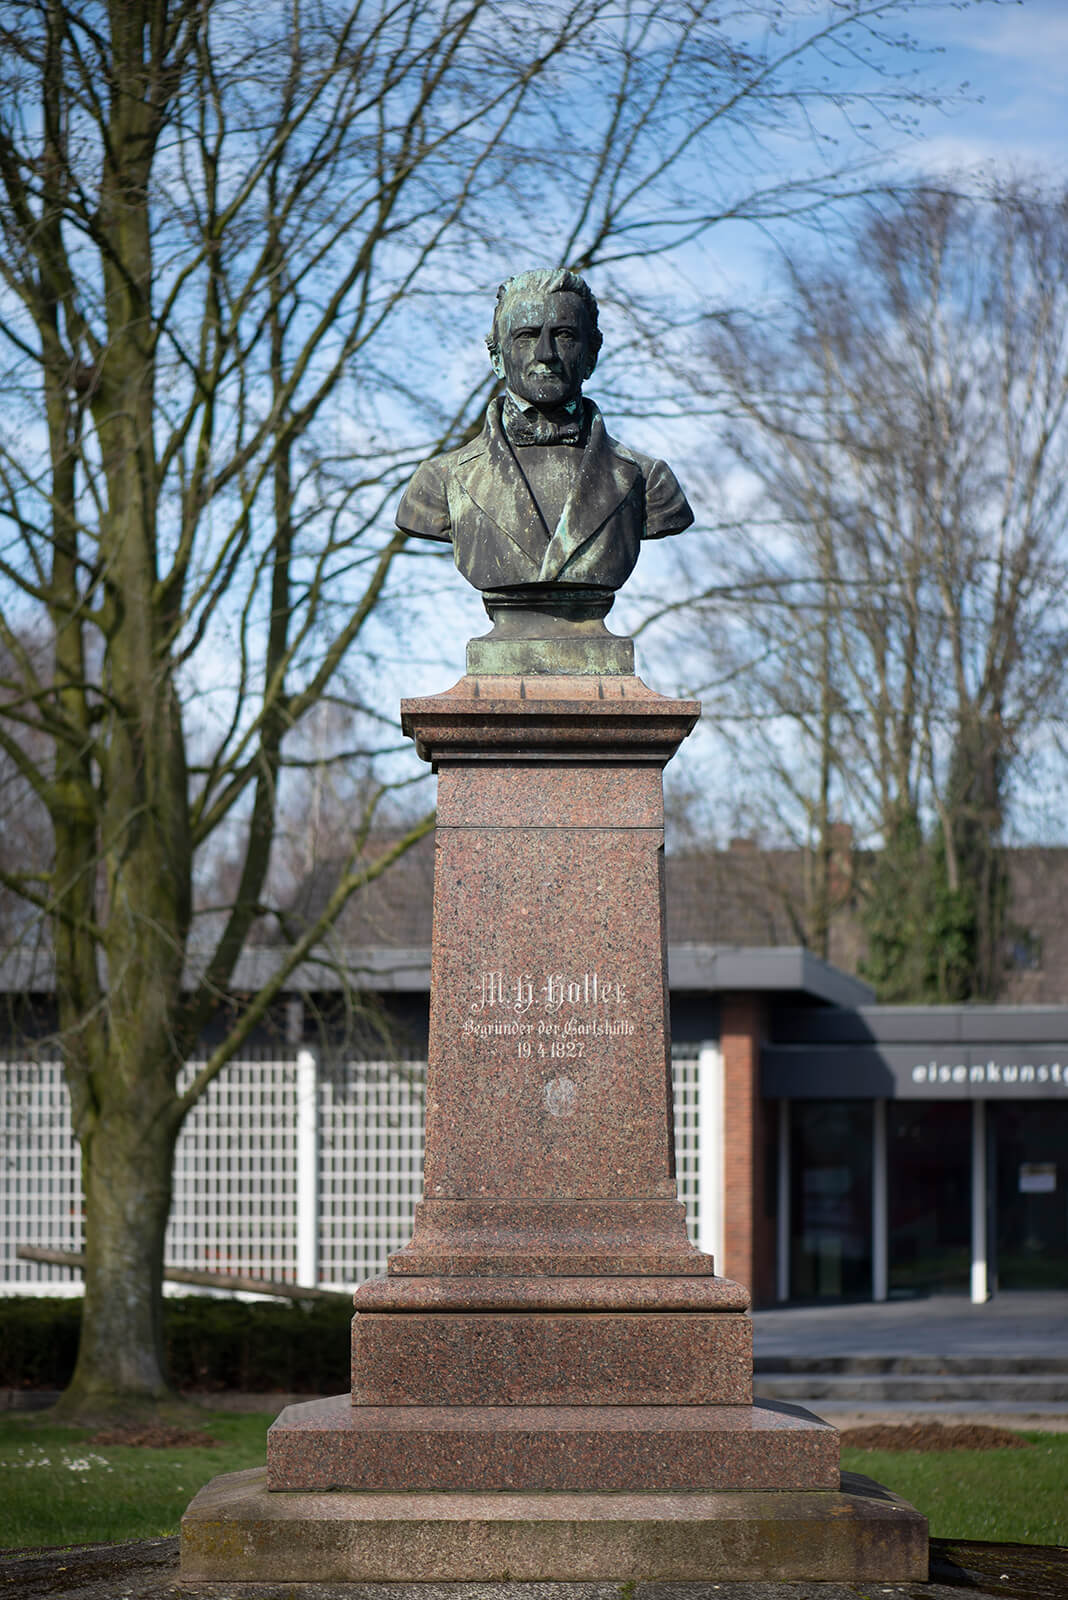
[
  {"x": 154, "y": 1437},
  {"x": 926, "y": 1436}
]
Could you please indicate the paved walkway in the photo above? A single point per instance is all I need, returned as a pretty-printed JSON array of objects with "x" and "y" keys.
[{"x": 1010, "y": 1325}]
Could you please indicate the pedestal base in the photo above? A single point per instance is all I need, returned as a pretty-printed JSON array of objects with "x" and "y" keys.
[
  {"x": 332, "y": 1444},
  {"x": 237, "y": 1533},
  {"x": 591, "y": 657},
  {"x": 586, "y": 1358}
]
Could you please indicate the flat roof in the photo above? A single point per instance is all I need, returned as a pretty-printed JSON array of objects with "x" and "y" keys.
[
  {"x": 926, "y": 1025},
  {"x": 387, "y": 969},
  {"x": 778, "y": 969}
]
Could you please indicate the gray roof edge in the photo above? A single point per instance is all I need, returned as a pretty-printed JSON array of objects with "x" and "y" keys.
[
  {"x": 27, "y": 970},
  {"x": 701, "y": 968},
  {"x": 965, "y": 1024},
  {"x": 387, "y": 968},
  {"x": 708, "y": 968},
  {"x": 776, "y": 968},
  {"x": 382, "y": 967}
]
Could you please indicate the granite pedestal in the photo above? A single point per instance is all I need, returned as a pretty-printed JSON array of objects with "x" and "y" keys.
[{"x": 551, "y": 1381}]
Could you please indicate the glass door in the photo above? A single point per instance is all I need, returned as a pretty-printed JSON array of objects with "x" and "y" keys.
[
  {"x": 929, "y": 1163},
  {"x": 1031, "y": 1144},
  {"x": 830, "y": 1201}
]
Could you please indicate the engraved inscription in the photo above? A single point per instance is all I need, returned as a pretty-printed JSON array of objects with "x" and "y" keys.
[
  {"x": 519, "y": 992},
  {"x": 549, "y": 1015}
]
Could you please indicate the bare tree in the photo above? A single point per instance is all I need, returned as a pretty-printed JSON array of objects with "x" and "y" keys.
[
  {"x": 896, "y": 635},
  {"x": 229, "y": 237}
]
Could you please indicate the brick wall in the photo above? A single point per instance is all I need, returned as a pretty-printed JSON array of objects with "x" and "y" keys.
[{"x": 749, "y": 1232}]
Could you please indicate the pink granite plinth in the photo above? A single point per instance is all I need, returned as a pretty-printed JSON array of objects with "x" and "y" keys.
[
  {"x": 549, "y": 1130},
  {"x": 586, "y": 1358},
  {"x": 235, "y": 1532},
  {"x": 549, "y": 1271},
  {"x": 548, "y": 719},
  {"x": 557, "y": 1237},
  {"x": 332, "y": 1444},
  {"x": 498, "y": 1293},
  {"x": 600, "y": 1357}
]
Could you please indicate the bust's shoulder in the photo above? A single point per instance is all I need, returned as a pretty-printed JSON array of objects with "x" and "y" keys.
[
  {"x": 424, "y": 506},
  {"x": 649, "y": 466},
  {"x": 667, "y": 509},
  {"x": 437, "y": 468},
  {"x": 646, "y": 464}
]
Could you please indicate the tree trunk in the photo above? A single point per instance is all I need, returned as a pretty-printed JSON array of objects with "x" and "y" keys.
[{"x": 127, "y": 1162}]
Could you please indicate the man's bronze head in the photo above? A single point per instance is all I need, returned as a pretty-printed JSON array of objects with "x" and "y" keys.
[{"x": 545, "y": 338}]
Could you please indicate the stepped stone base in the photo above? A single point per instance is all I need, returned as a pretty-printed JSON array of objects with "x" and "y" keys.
[
  {"x": 555, "y": 1293},
  {"x": 589, "y": 1358},
  {"x": 332, "y": 1444},
  {"x": 517, "y": 1237},
  {"x": 236, "y": 1531}
]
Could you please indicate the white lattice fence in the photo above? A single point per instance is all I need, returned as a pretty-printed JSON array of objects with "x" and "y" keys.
[
  {"x": 371, "y": 1165},
  {"x": 684, "y": 1060},
  {"x": 246, "y": 1170},
  {"x": 235, "y": 1174},
  {"x": 40, "y": 1176}
]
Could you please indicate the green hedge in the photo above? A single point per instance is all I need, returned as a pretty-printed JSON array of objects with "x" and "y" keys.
[{"x": 301, "y": 1348}]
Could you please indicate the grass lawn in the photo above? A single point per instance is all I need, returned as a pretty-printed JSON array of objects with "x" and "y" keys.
[
  {"x": 1011, "y": 1496},
  {"x": 56, "y": 1488}
]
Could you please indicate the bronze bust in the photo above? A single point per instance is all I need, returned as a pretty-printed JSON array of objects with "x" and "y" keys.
[{"x": 544, "y": 510}]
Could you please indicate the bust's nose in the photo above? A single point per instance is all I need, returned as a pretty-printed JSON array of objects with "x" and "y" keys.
[{"x": 543, "y": 350}]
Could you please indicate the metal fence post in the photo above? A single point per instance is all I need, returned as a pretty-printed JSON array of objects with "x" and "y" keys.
[{"x": 308, "y": 1144}]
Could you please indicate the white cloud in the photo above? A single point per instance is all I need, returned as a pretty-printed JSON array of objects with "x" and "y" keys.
[
  {"x": 1034, "y": 33},
  {"x": 958, "y": 153}
]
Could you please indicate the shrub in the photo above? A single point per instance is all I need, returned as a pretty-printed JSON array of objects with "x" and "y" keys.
[
  {"x": 301, "y": 1347},
  {"x": 38, "y": 1342}
]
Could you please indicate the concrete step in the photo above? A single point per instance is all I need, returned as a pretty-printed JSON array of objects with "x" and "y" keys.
[
  {"x": 872, "y": 1365},
  {"x": 980, "y": 1390},
  {"x": 1036, "y": 1414}
]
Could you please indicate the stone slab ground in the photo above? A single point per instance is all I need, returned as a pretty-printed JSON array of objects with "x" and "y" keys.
[
  {"x": 236, "y": 1530},
  {"x": 147, "y": 1569}
]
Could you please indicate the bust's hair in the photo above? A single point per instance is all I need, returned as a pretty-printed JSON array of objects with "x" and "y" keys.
[{"x": 544, "y": 280}]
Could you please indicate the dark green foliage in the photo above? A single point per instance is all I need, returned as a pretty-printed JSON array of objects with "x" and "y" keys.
[
  {"x": 896, "y": 914},
  {"x": 257, "y": 1346},
  {"x": 930, "y": 941},
  {"x": 952, "y": 975},
  {"x": 969, "y": 922},
  {"x": 38, "y": 1342}
]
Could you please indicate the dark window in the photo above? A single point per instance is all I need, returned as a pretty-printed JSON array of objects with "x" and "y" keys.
[
  {"x": 1025, "y": 951},
  {"x": 1030, "y": 1139},
  {"x": 928, "y": 1152},
  {"x": 830, "y": 1201}
]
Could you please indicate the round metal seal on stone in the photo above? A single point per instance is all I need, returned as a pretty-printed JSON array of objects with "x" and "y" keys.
[{"x": 561, "y": 1097}]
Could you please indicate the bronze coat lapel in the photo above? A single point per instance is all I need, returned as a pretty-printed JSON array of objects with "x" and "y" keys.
[
  {"x": 491, "y": 478},
  {"x": 604, "y": 481}
]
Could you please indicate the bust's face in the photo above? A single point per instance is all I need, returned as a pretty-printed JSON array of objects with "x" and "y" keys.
[{"x": 545, "y": 348}]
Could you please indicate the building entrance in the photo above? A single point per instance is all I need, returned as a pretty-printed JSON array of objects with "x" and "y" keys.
[
  {"x": 929, "y": 1196},
  {"x": 1030, "y": 1143},
  {"x": 830, "y": 1202}
]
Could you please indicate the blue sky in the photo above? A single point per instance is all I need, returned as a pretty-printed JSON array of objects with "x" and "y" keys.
[
  {"x": 1015, "y": 57},
  {"x": 997, "y": 74},
  {"x": 1011, "y": 119}
]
